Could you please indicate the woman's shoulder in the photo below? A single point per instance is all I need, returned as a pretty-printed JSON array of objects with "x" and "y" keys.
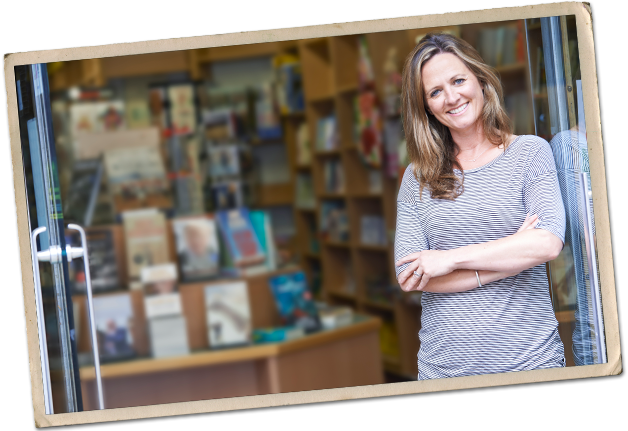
[
  {"x": 528, "y": 147},
  {"x": 409, "y": 187}
]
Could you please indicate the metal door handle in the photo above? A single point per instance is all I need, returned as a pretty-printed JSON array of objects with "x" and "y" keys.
[
  {"x": 41, "y": 324},
  {"x": 81, "y": 252}
]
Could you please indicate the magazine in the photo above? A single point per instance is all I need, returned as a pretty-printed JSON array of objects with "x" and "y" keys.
[
  {"x": 113, "y": 316},
  {"x": 197, "y": 247},
  {"x": 294, "y": 301},
  {"x": 228, "y": 314},
  {"x": 239, "y": 236},
  {"x": 161, "y": 294},
  {"x": 146, "y": 239}
]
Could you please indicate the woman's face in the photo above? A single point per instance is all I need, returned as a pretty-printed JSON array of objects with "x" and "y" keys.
[{"x": 452, "y": 92}]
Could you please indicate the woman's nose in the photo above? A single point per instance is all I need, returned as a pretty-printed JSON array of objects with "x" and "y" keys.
[{"x": 451, "y": 95}]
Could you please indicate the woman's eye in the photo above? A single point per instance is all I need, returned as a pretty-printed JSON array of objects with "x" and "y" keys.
[
  {"x": 459, "y": 81},
  {"x": 434, "y": 93}
]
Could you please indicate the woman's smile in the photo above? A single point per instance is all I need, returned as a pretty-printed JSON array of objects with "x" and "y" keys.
[{"x": 459, "y": 110}]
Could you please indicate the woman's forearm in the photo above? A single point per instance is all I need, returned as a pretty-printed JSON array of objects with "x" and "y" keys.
[
  {"x": 460, "y": 280},
  {"x": 511, "y": 254}
]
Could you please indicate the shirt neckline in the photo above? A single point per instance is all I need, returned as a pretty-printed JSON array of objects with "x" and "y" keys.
[{"x": 479, "y": 168}]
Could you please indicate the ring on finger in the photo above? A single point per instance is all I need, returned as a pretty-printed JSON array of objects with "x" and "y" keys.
[{"x": 417, "y": 275}]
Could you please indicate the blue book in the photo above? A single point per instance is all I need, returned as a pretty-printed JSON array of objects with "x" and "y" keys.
[
  {"x": 239, "y": 237},
  {"x": 294, "y": 301}
]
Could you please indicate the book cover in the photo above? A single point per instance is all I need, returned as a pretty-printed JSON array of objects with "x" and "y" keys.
[
  {"x": 161, "y": 293},
  {"x": 227, "y": 195},
  {"x": 334, "y": 176},
  {"x": 294, "y": 301},
  {"x": 304, "y": 192},
  {"x": 228, "y": 314},
  {"x": 135, "y": 173},
  {"x": 263, "y": 229},
  {"x": 326, "y": 134},
  {"x": 113, "y": 316},
  {"x": 266, "y": 115},
  {"x": 239, "y": 236},
  {"x": 103, "y": 264},
  {"x": 101, "y": 116},
  {"x": 168, "y": 336},
  {"x": 223, "y": 161},
  {"x": 85, "y": 187},
  {"x": 146, "y": 239},
  {"x": 182, "y": 109},
  {"x": 197, "y": 247}
]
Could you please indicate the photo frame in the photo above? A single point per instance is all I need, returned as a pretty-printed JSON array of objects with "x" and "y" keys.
[{"x": 585, "y": 39}]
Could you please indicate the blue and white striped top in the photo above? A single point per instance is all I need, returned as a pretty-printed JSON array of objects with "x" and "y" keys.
[{"x": 506, "y": 325}]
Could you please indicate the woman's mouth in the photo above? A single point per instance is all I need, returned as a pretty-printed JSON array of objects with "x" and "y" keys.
[{"x": 458, "y": 110}]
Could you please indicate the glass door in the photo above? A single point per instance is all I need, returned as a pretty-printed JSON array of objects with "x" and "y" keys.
[
  {"x": 58, "y": 344},
  {"x": 559, "y": 118}
]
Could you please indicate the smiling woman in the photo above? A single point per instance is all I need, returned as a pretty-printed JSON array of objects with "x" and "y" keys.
[{"x": 479, "y": 212}]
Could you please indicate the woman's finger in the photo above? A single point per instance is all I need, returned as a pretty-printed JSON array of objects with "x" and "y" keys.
[
  {"x": 424, "y": 280},
  {"x": 408, "y": 272},
  {"x": 409, "y": 258},
  {"x": 529, "y": 220}
]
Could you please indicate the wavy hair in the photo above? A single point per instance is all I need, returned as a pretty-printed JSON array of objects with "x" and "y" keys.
[{"x": 431, "y": 149}]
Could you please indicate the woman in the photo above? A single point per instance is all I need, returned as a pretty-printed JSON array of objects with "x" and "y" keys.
[{"x": 479, "y": 212}]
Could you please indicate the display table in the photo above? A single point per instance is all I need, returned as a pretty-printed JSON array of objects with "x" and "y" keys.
[{"x": 347, "y": 356}]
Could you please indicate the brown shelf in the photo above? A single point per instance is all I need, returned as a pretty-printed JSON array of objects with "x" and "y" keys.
[
  {"x": 373, "y": 247},
  {"x": 328, "y": 153},
  {"x": 337, "y": 244},
  {"x": 303, "y": 167},
  {"x": 343, "y": 295},
  {"x": 327, "y": 195},
  {"x": 379, "y": 305}
]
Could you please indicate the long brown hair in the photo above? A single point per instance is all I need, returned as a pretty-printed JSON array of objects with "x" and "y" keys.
[{"x": 431, "y": 149}]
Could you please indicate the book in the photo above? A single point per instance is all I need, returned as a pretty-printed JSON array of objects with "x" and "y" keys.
[
  {"x": 334, "y": 176},
  {"x": 168, "y": 336},
  {"x": 96, "y": 116},
  {"x": 103, "y": 263},
  {"x": 241, "y": 242},
  {"x": 289, "y": 88},
  {"x": 334, "y": 223},
  {"x": 197, "y": 247},
  {"x": 326, "y": 134},
  {"x": 268, "y": 125},
  {"x": 294, "y": 301},
  {"x": 304, "y": 192},
  {"x": 263, "y": 229},
  {"x": 227, "y": 195},
  {"x": 146, "y": 239},
  {"x": 223, "y": 161},
  {"x": 113, "y": 317},
  {"x": 182, "y": 109},
  {"x": 275, "y": 335},
  {"x": 372, "y": 230},
  {"x": 368, "y": 128},
  {"x": 136, "y": 173},
  {"x": 333, "y": 317},
  {"x": 161, "y": 294},
  {"x": 228, "y": 314},
  {"x": 304, "y": 145}
]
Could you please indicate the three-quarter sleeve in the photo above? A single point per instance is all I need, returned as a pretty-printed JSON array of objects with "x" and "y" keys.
[
  {"x": 409, "y": 234},
  {"x": 541, "y": 192}
]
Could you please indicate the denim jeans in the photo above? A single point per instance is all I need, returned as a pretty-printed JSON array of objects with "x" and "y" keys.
[{"x": 551, "y": 394}]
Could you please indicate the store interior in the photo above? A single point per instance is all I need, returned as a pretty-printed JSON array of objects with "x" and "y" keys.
[{"x": 208, "y": 180}]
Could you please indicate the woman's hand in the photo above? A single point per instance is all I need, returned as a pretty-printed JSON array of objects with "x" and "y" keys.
[
  {"x": 423, "y": 266},
  {"x": 428, "y": 264}
]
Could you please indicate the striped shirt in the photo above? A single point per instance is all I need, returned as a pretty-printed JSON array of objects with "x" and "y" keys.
[{"x": 506, "y": 325}]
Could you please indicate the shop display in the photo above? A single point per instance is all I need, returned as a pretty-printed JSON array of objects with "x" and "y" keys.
[
  {"x": 161, "y": 293},
  {"x": 96, "y": 116},
  {"x": 197, "y": 247},
  {"x": 168, "y": 336},
  {"x": 228, "y": 314},
  {"x": 294, "y": 301}
]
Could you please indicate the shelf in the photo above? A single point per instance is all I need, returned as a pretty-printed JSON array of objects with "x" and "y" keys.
[
  {"x": 328, "y": 153},
  {"x": 392, "y": 364},
  {"x": 347, "y": 89},
  {"x": 311, "y": 255},
  {"x": 511, "y": 68},
  {"x": 343, "y": 295},
  {"x": 380, "y": 305},
  {"x": 322, "y": 98},
  {"x": 297, "y": 115},
  {"x": 366, "y": 195},
  {"x": 303, "y": 167},
  {"x": 306, "y": 210},
  {"x": 275, "y": 194},
  {"x": 374, "y": 247},
  {"x": 337, "y": 244},
  {"x": 327, "y": 195}
]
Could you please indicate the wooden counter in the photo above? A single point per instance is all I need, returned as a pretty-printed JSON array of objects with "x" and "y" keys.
[{"x": 342, "y": 357}]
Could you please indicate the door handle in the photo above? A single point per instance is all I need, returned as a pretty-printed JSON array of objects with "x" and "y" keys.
[{"x": 81, "y": 252}]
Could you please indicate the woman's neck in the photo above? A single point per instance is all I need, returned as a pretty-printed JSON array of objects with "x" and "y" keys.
[{"x": 469, "y": 142}]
